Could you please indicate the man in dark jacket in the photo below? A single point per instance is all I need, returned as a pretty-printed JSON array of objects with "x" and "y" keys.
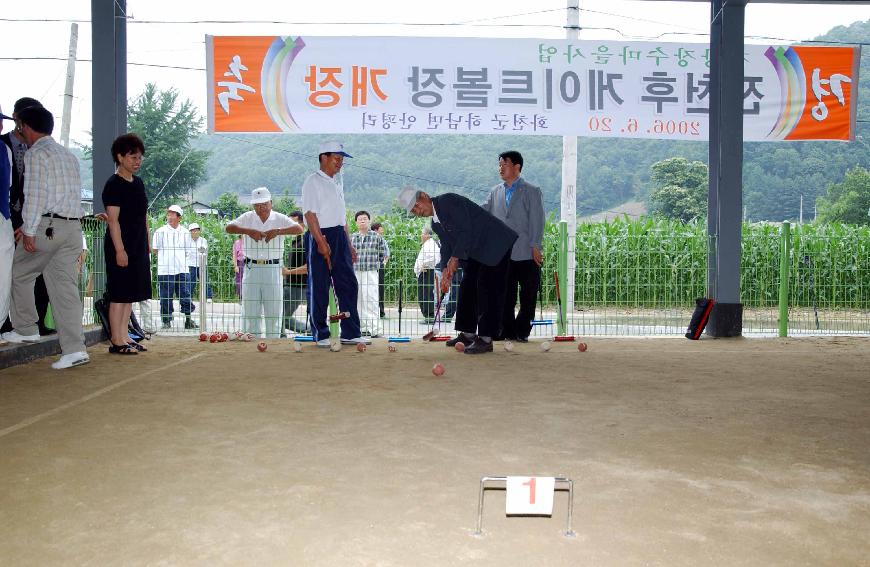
[{"x": 483, "y": 243}]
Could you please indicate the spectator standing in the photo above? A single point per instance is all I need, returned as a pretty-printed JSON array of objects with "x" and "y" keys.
[
  {"x": 424, "y": 268},
  {"x": 263, "y": 231},
  {"x": 371, "y": 250},
  {"x": 295, "y": 279},
  {"x": 520, "y": 205},
  {"x": 172, "y": 242},
  {"x": 196, "y": 256},
  {"x": 128, "y": 262},
  {"x": 15, "y": 141},
  {"x": 51, "y": 239},
  {"x": 7, "y": 235},
  {"x": 330, "y": 253},
  {"x": 379, "y": 228}
]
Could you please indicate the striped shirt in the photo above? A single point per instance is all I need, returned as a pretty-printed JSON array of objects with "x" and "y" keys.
[
  {"x": 371, "y": 249},
  {"x": 51, "y": 183}
]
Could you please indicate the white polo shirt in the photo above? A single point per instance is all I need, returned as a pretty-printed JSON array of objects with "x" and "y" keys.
[
  {"x": 262, "y": 250},
  {"x": 198, "y": 246},
  {"x": 171, "y": 245},
  {"x": 323, "y": 196}
]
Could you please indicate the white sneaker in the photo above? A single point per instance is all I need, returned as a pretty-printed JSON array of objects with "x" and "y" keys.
[
  {"x": 70, "y": 360},
  {"x": 324, "y": 343},
  {"x": 363, "y": 340},
  {"x": 14, "y": 337}
]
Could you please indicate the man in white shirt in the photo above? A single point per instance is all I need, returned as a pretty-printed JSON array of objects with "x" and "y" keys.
[
  {"x": 262, "y": 289},
  {"x": 196, "y": 256},
  {"x": 424, "y": 268},
  {"x": 330, "y": 254},
  {"x": 171, "y": 242}
]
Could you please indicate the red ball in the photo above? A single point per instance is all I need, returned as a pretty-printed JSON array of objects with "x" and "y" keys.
[
  {"x": 460, "y": 347},
  {"x": 203, "y": 337},
  {"x": 213, "y": 338},
  {"x": 582, "y": 347},
  {"x": 224, "y": 337},
  {"x": 438, "y": 369},
  {"x": 261, "y": 347},
  {"x": 360, "y": 347}
]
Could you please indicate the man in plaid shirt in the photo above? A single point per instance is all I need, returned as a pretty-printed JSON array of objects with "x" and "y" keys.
[{"x": 371, "y": 249}]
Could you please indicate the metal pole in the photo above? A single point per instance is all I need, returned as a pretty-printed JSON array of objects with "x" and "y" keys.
[
  {"x": 203, "y": 287},
  {"x": 563, "y": 266},
  {"x": 569, "y": 172},
  {"x": 70, "y": 80},
  {"x": 783, "y": 280}
]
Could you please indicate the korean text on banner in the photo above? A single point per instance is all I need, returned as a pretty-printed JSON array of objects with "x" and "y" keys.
[{"x": 520, "y": 86}]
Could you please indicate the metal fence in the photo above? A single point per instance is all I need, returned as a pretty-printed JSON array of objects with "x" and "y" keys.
[{"x": 631, "y": 279}]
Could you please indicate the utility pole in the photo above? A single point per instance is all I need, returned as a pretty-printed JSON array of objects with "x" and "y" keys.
[
  {"x": 801, "y": 217},
  {"x": 70, "y": 79},
  {"x": 569, "y": 173}
]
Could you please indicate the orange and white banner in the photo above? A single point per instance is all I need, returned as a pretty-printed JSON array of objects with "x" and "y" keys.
[{"x": 520, "y": 86}]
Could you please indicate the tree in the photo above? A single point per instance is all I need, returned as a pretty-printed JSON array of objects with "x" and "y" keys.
[
  {"x": 228, "y": 205},
  {"x": 167, "y": 128},
  {"x": 848, "y": 201},
  {"x": 679, "y": 189},
  {"x": 284, "y": 205}
]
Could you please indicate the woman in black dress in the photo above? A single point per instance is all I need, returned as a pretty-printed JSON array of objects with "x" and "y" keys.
[{"x": 128, "y": 261}]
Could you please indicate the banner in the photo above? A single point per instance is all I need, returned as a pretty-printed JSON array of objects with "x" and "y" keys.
[{"x": 421, "y": 85}]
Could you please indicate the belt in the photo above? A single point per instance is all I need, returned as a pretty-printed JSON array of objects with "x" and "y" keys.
[
  {"x": 261, "y": 262},
  {"x": 54, "y": 216}
]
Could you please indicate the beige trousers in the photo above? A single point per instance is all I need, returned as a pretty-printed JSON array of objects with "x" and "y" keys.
[{"x": 56, "y": 260}]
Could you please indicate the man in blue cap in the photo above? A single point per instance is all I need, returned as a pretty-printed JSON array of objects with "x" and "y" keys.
[{"x": 330, "y": 255}]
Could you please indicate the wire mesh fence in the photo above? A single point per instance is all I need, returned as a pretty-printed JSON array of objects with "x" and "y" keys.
[{"x": 632, "y": 278}]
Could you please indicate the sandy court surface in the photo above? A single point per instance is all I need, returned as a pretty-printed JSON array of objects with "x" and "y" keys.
[{"x": 717, "y": 452}]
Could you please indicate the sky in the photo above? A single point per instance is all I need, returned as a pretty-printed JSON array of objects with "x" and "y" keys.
[{"x": 152, "y": 41}]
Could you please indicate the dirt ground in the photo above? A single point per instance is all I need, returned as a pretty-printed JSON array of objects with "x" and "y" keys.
[{"x": 716, "y": 452}]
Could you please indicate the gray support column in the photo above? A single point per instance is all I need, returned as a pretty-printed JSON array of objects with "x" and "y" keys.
[
  {"x": 724, "y": 218},
  {"x": 108, "y": 86}
]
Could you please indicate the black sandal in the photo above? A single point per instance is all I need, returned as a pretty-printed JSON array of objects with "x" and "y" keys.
[
  {"x": 138, "y": 347},
  {"x": 122, "y": 349}
]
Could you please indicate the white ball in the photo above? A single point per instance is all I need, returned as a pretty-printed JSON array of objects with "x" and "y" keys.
[
  {"x": 545, "y": 346},
  {"x": 297, "y": 347},
  {"x": 509, "y": 346},
  {"x": 335, "y": 347}
]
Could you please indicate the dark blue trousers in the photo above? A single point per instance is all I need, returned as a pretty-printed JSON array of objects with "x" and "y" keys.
[
  {"x": 176, "y": 285},
  {"x": 343, "y": 279}
]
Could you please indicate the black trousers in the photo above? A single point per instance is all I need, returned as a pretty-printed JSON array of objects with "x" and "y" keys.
[
  {"x": 481, "y": 297},
  {"x": 426, "y": 293},
  {"x": 523, "y": 276}
]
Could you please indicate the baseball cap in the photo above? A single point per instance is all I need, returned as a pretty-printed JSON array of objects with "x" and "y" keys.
[
  {"x": 260, "y": 195},
  {"x": 3, "y": 116},
  {"x": 193, "y": 226},
  {"x": 408, "y": 198},
  {"x": 333, "y": 148},
  {"x": 175, "y": 209}
]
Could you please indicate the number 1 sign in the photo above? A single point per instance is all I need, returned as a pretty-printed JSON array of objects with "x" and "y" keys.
[{"x": 529, "y": 495}]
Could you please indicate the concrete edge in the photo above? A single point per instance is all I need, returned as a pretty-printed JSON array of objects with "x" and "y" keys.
[{"x": 15, "y": 354}]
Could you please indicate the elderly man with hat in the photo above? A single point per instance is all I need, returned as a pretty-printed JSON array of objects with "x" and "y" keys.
[
  {"x": 263, "y": 233},
  {"x": 172, "y": 242},
  {"x": 483, "y": 243},
  {"x": 330, "y": 254}
]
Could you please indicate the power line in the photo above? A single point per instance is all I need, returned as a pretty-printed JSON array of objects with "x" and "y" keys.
[{"x": 90, "y": 61}]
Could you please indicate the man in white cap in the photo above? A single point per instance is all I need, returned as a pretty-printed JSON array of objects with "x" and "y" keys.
[
  {"x": 330, "y": 254},
  {"x": 171, "y": 242},
  {"x": 262, "y": 290},
  {"x": 483, "y": 243},
  {"x": 196, "y": 255}
]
